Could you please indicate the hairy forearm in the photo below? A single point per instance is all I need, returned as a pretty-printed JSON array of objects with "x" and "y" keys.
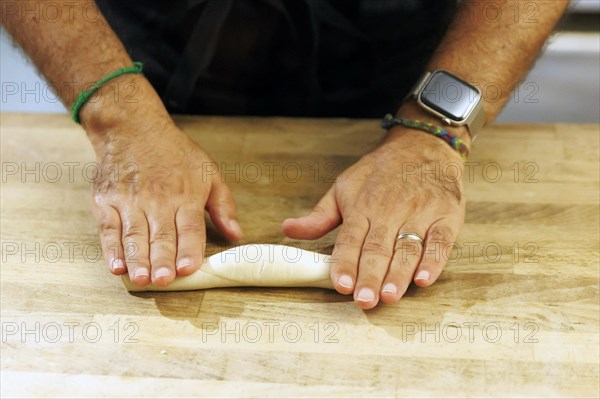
[
  {"x": 493, "y": 43},
  {"x": 71, "y": 44},
  {"x": 73, "y": 47}
]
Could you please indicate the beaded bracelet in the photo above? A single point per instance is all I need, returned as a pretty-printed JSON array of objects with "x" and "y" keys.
[
  {"x": 84, "y": 96},
  {"x": 460, "y": 146}
]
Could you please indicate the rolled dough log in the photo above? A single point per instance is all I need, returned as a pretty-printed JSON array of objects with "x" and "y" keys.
[{"x": 253, "y": 265}]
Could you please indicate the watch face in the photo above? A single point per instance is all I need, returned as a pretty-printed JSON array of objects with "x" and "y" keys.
[{"x": 450, "y": 96}]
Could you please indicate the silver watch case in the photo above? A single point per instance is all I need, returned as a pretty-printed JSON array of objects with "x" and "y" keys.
[{"x": 475, "y": 117}]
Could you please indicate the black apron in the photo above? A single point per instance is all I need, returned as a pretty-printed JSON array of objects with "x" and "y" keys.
[{"x": 324, "y": 58}]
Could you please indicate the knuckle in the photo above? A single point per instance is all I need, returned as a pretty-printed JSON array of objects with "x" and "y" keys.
[
  {"x": 410, "y": 227},
  {"x": 379, "y": 233},
  {"x": 434, "y": 257},
  {"x": 343, "y": 265},
  {"x": 318, "y": 208},
  {"x": 371, "y": 267},
  {"x": 402, "y": 270},
  {"x": 163, "y": 232},
  {"x": 100, "y": 197},
  {"x": 190, "y": 229},
  {"x": 132, "y": 252},
  {"x": 356, "y": 222},
  {"x": 439, "y": 234},
  {"x": 133, "y": 232},
  {"x": 376, "y": 248},
  {"x": 191, "y": 211},
  {"x": 406, "y": 268},
  {"x": 405, "y": 260},
  {"x": 347, "y": 239},
  {"x": 107, "y": 221},
  {"x": 162, "y": 237},
  {"x": 109, "y": 226},
  {"x": 405, "y": 248}
]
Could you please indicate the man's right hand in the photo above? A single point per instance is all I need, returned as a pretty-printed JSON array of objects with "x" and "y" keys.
[
  {"x": 151, "y": 222},
  {"x": 156, "y": 183}
]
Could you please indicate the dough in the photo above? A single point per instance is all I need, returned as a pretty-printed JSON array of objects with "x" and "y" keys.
[{"x": 253, "y": 265}]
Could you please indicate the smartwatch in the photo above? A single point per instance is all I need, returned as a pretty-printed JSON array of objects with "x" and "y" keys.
[{"x": 454, "y": 101}]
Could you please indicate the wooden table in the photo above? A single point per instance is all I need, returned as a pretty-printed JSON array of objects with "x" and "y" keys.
[{"x": 517, "y": 315}]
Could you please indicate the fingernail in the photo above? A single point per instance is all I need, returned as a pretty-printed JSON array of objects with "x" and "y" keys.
[
  {"x": 345, "y": 281},
  {"x": 183, "y": 263},
  {"x": 234, "y": 225},
  {"x": 162, "y": 272},
  {"x": 422, "y": 275},
  {"x": 117, "y": 264},
  {"x": 140, "y": 272},
  {"x": 390, "y": 288},
  {"x": 365, "y": 295}
]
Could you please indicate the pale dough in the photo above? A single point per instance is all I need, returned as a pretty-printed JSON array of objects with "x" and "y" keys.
[{"x": 253, "y": 265}]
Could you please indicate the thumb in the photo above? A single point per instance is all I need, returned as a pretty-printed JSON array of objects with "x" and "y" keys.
[
  {"x": 323, "y": 218},
  {"x": 222, "y": 210}
]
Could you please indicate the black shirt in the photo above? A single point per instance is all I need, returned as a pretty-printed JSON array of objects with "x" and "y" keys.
[{"x": 348, "y": 58}]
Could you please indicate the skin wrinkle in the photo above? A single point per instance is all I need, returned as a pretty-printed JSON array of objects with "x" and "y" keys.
[
  {"x": 327, "y": 219},
  {"x": 376, "y": 248},
  {"x": 439, "y": 233},
  {"x": 406, "y": 264},
  {"x": 132, "y": 230},
  {"x": 368, "y": 266}
]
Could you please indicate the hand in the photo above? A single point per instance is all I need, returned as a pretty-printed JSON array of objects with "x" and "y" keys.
[
  {"x": 409, "y": 184},
  {"x": 149, "y": 202}
]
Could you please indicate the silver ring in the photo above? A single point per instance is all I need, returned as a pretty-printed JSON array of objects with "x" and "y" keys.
[{"x": 410, "y": 236}]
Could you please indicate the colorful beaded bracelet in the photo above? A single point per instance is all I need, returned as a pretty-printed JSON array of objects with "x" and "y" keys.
[{"x": 460, "y": 146}]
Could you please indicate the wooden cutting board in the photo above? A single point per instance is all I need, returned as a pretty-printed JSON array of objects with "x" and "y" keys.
[{"x": 515, "y": 313}]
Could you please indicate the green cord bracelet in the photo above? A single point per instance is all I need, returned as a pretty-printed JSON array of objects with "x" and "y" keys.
[
  {"x": 84, "y": 96},
  {"x": 460, "y": 146}
]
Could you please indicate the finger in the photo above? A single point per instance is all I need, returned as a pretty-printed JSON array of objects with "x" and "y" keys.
[
  {"x": 374, "y": 262},
  {"x": 222, "y": 210},
  {"x": 109, "y": 222},
  {"x": 406, "y": 257},
  {"x": 163, "y": 246},
  {"x": 346, "y": 253},
  {"x": 191, "y": 239},
  {"x": 438, "y": 245},
  {"x": 135, "y": 246},
  {"x": 323, "y": 218}
]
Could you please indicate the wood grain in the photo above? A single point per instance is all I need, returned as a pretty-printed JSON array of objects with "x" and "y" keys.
[{"x": 518, "y": 315}]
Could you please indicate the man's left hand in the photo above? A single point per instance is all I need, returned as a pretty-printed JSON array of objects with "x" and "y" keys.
[{"x": 410, "y": 183}]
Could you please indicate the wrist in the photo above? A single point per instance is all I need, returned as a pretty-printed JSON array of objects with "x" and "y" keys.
[
  {"x": 423, "y": 140},
  {"x": 127, "y": 100},
  {"x": 410, "y": 109}
]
